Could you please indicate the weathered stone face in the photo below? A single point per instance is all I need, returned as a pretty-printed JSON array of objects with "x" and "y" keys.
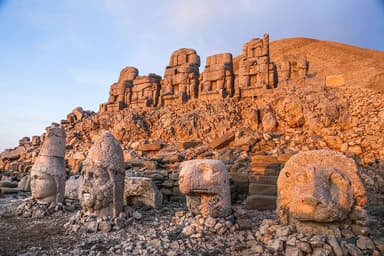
[
  {"x": 102, "y": 178},
  {"x": 43, "y": 187},
  {"x": 97, "y": 189},
  {"x": 48, "y": 173},
  {"x": 321, "y": 195},
  {"x": 318, "y": 186},
  {"x": 206, "y": 186}
]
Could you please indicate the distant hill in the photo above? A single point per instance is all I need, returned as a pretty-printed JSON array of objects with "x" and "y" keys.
[{"x": 361, "y": 67}]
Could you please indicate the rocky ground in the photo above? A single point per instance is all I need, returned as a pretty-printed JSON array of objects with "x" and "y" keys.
[{"x": 166, "y": 231}]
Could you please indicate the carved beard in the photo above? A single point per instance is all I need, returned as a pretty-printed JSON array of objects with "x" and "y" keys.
[
  {"x": 98, "y": 198},
  {"x": 328, "y": 212}
]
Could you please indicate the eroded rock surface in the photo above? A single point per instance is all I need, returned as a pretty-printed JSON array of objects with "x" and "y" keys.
[
  {"x": 48, "y": 173},
  {"x": 317, "y": 189},
  {"x": 72, "y": 187},
  {"x": 206, "y": 186},
  {"x": 142, "y": 190},
  {"x": 102, "y": 178},
  {"x": 181, "y": 77}
]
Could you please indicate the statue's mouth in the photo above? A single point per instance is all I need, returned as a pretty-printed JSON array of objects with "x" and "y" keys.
[
  {"x": 306, "y": 212},
  {"x": 201, "y": 191},
  {"x": 86, "y": 195}
]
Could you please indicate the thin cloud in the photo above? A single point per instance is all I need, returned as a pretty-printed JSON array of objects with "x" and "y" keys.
[
  {"x": 201, "y": 14},
  {"x": 92, "y": 77},
  {"x": 189, "y": 15}
]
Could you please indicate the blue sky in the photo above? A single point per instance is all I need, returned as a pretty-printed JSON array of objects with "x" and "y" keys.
[{"x": 56, "y": 55}]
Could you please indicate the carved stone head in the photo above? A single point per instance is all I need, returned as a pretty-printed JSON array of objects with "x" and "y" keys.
[
  {"x": 319, "y": 186},
  {"x": 102, "y": 178},
  {"x": 206, "y": 186},
  {"x": 48, "y": 173},
  {"x": 128, "y": 74}
]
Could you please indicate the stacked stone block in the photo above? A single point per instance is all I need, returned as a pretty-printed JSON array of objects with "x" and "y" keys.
[
  {"x": 145, "y": 91},
  {"x": 216, "y": 81},
  {"x": 118, "y": 91},
  {"x": 263, "y": 181},
  {"x": 292, "y": 68},
  {"x": 181, "y": 77},
  {"x": 255, "y": 69}
]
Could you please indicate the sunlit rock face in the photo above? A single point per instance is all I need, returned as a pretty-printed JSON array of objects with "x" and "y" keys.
[
  {"x": 181, "y": 77},
  {"x": 319, "y": 186},
  {"x": 48, "y": 173},
  {"x": 206, "y": 186},
  {"x": 102, "y": 178}
]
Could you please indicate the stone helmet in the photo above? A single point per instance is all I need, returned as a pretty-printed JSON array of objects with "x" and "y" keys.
[
  {"x": 106, "y": 153},
  {"x": 51, "y": 159}
]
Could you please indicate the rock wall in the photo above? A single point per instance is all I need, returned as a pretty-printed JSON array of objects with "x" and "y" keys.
[{"x": 182, "y": 82}]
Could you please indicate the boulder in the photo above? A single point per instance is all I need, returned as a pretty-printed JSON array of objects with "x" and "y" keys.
[
  {"x": 12, "y": 154},
  {"x": 72, "y": 187},
  {"x": 25, "y": 183},
  {"x": 142, "y": 190},
  {"x": 222, "y": 141}
]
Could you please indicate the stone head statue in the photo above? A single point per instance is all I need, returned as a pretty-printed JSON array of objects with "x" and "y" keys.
[
  {"x": 48, "y": 173},
  {"x": 206, "y": 186},
  {"x": 102, "y": 178},
  {"x": 319, "y": 186}
]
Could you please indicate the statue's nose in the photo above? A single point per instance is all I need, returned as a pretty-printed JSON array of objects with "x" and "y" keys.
[{"x": 311, "y": 200}]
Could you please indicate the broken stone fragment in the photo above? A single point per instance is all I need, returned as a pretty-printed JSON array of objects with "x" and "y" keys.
[
  {"x": 222, "y": 141},
  {"x": 25, "y": 183},
  {"x": 72, "y": 187},
  {"x": 141, "y": 190}
]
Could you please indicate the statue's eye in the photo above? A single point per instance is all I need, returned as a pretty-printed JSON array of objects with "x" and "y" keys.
[
  {"x": 287, "y": 174},
  {"x": 301, "y": 178},
  {"x": 338, "y": 179}
]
